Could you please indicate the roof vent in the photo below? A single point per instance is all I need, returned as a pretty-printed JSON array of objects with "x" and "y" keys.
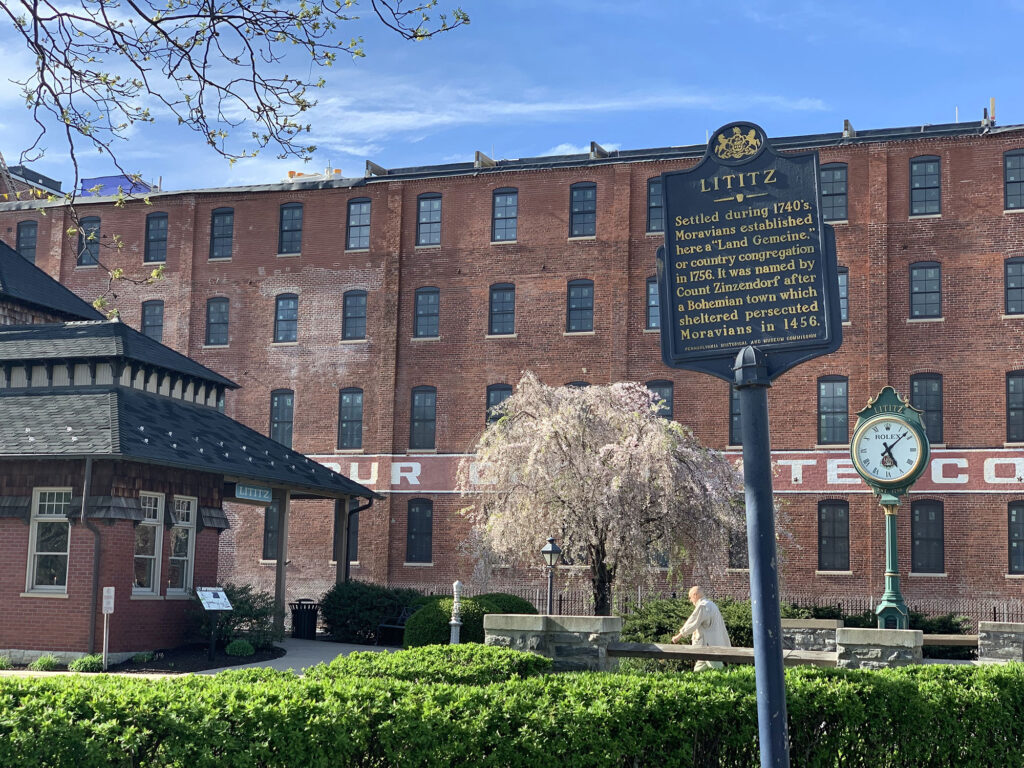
[{"x": 597, "y": 151}]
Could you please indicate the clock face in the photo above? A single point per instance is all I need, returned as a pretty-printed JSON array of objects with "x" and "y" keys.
[{"x": 887, "y": 450}]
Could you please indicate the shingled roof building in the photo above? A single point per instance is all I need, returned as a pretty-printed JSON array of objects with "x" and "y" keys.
[{"x": 115, "y": 462}]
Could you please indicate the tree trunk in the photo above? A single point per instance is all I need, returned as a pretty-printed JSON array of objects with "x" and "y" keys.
[{"x": 601, "y": 580}]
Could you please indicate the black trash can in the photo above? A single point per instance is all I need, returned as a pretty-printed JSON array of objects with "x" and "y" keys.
[{"x": 304, "y": 615}]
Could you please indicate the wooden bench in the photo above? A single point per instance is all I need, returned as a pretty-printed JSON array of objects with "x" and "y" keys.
[
  {"x": 395, "y": 623},
  {"x": 716, "y": 653}
]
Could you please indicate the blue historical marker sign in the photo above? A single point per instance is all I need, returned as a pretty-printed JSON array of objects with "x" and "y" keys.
[{"x": 747, "y": 260}]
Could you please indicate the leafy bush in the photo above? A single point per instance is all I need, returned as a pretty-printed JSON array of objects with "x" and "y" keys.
[
  {"x": 352, "y": 611},
  {"x": 502, "y": 602},
  {"x": 429, "y": 625},
  {"x": 45, "y": 663},
  {"x": 239, "y": 648},
  {"x": 91, "y": 663},
  {"x": 251, "y": 617},
  {"x": 5, "y": 662},
  {"x": 471, "y": 664},
  {"x": 913, "y": 717},
  {"x": 143, "y": 658}
]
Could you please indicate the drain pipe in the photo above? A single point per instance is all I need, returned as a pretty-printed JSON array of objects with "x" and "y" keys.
[
  {"x": 348, "y": 519},
  {"x": 95, "y": 554}
]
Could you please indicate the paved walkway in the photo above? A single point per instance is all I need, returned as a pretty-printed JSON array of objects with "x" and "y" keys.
[{"x": 300, "y": 654}]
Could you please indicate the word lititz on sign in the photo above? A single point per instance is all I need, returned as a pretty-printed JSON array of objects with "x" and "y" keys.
[{"x": 747, "y": 260}]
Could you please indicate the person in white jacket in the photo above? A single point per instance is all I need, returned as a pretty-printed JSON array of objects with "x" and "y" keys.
[{"x": 707, "y": 627}]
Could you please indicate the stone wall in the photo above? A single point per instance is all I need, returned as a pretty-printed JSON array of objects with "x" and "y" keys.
[
  {"x": 810, "y": 634},
  {"x": 878, "y": 648},
  {"x": 1000, "y": 641},
  {"x": 573, "y": 643}
]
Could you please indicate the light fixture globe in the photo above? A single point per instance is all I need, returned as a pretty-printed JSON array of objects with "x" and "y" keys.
[{"x": 551, "y": 552}]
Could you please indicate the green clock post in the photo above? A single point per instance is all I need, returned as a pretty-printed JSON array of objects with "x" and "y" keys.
[{"x": 890, "y": 451}]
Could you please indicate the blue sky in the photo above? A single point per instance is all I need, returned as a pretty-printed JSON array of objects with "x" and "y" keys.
[{"x": 534, "y": 77}]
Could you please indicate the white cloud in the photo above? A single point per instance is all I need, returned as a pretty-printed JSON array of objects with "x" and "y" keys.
[{"x": 565, "y": 148}]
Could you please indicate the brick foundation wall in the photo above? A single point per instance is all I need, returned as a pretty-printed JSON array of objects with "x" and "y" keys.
[
  {"x": 34, "y": 622},
  {"x": 973, "y": 346}
]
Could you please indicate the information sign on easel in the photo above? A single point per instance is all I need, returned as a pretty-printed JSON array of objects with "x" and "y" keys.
[{"x": 214, "y": 601}]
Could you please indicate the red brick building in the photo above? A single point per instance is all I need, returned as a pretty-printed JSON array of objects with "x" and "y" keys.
[
  {"x": 369, "y": 319},
  {"x": 115, "y": 463}
]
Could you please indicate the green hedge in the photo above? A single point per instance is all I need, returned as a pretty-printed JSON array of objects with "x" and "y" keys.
[
  {"x": 429, "y": 625},
  {"x": 353, "y": 611},
  {"x": 919, "y": 717},
  {"x": 471, "y": 664}
]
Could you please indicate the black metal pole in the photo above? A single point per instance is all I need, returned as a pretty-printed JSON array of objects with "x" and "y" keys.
[
  {"x": 214, "y": 615},
  {"x": 551, "y": 590},
  {"x": 752, "y": 382}
]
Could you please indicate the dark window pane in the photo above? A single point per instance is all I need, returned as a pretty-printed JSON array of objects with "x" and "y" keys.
[
  {"x": 833, "y": 421},
  {"x": 926, "y": 537},
  {"x": 153, "y": 319},
  {"x": 833, "y": 536},
  {"x": 1016, "y": 536},
  {"x": 353, "y": 321},
  {"x": 428, "y": 313},
  {"x": 833, "y": 192},
  {"x": 655, "y": 206},
  {"x": 653, "y": 308},
  {"x": 583, "y": 210},
  {"x": 217, "y": 322},
  {"x": 271, "y": 526},
  {"x": 504, "y": 222},
  {"x": 503, "y": 310},
  {"x": 350, "y": 419},
  {"x": 286, "y": 318},
  {"x": 844, "y": 294},
  {"x": 428, "y": 220},
  {"x": 1015, "y": 407},
  {"x": 156, "y": 238},
  {"x": 925, "y": 290},
  {"x": 1015, "y": 286},
  {"x": 222, "y": 226},
  {"x": 420, "y": 532},
  {"x": 423, "y": 418},
  {"x": 924, "y": 186},
  {"x": 290, "y": 237},
  {"x": 926, "y": 395},
  {"x": 89, "y": 241},
  {"x": 28, "y": 232},
  {"x": 358, "y": 236},
  {"x": 282, "y": 406},
  {"x": 663, "y": 390},
  {"x": 580, "y": 306},
  {"x": 496, "y": 395}
]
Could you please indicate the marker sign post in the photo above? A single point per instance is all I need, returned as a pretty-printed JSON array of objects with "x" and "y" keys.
[
  {"x": 108, "y": 608},
  {"x": 214, "y": 601},
  {"x": 748, "y": 288}
]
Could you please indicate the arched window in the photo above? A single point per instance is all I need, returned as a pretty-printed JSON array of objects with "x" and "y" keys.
[
  {"x": 926, "y": 396},
  {"x": 655, "y": 205},
  {"x": 502, "y": 315},
  {"x": 579, "y": 306},
  {"x": 664, "y": 390},
  {"x": 583, "y": 209},
  {"x": 833, "y": 535},
  {"x": 844, "y": 294},
  {"x": 222, "y": 228},
  {"x": 353, "y": 315},
  {"x": 427, "y": 323},
  {"x": 496, "y": 395},
  {"x": 89, "y": 241},
  {"x": 833, "y": 192},
  {"x": 282, "y": 408},
  {"x": 289, "y": 239},
  {"x": 505, "y": 216},
  {"x": 833, "y": 413},
  {"x": 925, "y": 186},
  {"x": 153, "y": 319},
  {"x": 423, "y": 418},
  {"x": 217, "y": 321},
  {"x": 286, "y": 318},
  {"x": 350, "y": 419},
  {"x": 156, "y": 238},
  {"x": 1014, "y": 273},
  {"x": 925, "y": 290},
  {"x": 1013, "y": 179},
  {"x": 428, "y": 219},
  {"x": 419, "y": 537},
  {"x": 927, "y": 537},
  {"x": 653, "y": 304}
]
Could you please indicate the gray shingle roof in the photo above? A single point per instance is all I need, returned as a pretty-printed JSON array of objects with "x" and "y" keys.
[
  {"x": 25, "y": 283},
  {"x": 120, "y": 422},
  {"x": 106, "y": 339}
]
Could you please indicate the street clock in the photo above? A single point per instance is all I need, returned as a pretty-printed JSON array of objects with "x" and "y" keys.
[{"x": 889, "y": 446}]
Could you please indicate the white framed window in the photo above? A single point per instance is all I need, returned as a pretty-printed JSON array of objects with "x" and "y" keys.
[
  {"x": 183, "y": 545},
  {"x": 149, "y": 545},
  {"x": 49, "y": 540}
]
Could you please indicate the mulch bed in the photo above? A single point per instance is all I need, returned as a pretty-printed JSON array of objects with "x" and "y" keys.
[{"x": 193, "y": 658}]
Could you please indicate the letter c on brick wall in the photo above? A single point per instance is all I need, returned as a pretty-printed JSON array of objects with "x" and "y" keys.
[
  {"x": 991, "y": 466},
  {"x": 939, "y": 477}
]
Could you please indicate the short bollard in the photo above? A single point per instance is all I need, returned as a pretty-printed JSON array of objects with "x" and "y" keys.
[{"x": 456, "y": 622}]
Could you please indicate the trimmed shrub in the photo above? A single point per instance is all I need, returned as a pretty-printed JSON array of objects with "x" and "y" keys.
[
  {"x": 91, "y": 663},
  {"x": 913, "y": 717},
  {"x": 352, "y": 611},
  {"x": 45, "y": 663},
  {"x": 5, "y": 662},
  {"x": 429, "y": 625},
  {"x": 502, "y": 602},
  {"x": 471, "y": 664},
  {"x": 251, "y": 617},
  {"x": 239, "y": 648}
]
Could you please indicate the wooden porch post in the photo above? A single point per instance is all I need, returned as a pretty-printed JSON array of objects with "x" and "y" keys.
[
  {"x": 341, "y": 521},
  {"x": 282, "y": 497}
]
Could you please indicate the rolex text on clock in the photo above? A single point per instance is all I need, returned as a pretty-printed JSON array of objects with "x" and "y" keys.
[{"x": 887, "y": 450}]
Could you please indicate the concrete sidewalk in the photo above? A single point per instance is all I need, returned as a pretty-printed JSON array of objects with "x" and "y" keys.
[{"x": 300, "y": 654}]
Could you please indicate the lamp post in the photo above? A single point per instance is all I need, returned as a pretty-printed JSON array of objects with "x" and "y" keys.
[{"x": 551, "y": 553}]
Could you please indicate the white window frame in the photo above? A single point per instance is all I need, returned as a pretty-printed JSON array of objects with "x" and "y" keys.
[
  {"x": 158, "y": 524},
  {"x": 30, "y": 571},
  {"x": 190, "y": 526}
]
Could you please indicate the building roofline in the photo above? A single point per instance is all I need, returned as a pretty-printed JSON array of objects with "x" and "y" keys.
[{"x": 547, "y": 162}]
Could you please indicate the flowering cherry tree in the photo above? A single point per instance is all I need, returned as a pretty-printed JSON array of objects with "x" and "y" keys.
[{"x": 614, "y": 482}]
